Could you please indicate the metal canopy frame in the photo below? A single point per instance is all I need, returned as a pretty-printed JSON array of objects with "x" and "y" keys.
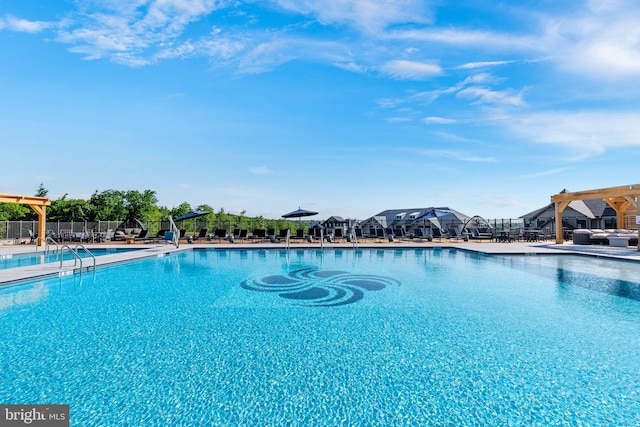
[
  {"x": 38, "y": 204},
  {"x": 619, "y": 198}
]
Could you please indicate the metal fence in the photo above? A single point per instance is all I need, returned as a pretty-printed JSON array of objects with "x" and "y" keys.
[{"x": 21, "y": 231}]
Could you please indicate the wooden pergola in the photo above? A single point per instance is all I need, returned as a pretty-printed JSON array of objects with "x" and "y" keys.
[
  {"x": 38, "y": 204},
  {"x": 619, "y": 198}
]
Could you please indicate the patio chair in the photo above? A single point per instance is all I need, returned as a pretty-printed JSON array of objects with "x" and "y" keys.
[
  {"x": 421, "y": 234},
  {"x": 243, "y": 234},
  {"x": 201, "y": 235},
  {"x": 258, "y": 235},
  {"x": 453, "y": 234},
  {"x": 388, "y": 234},
  {"x": 438, "y": 234},
  {"x": 478, "y": 235},
  {"x": 218, "y": 234},
  {"x": 399, "y": 233},
  {"x": 338, "y": 234},
  {"x": 142, "y": 236}
]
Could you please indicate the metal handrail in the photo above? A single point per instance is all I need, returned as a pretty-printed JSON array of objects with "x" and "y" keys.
[
  {"x": 46, "y": 246},
  {"x": 353, "y": 238},
  {"x": 43, "y": 241},
  {"x": 288, "y": 238},
  {"x": 176, "y": 232},
  {"x": 81, "y": 246},
  {"x": 75, "y": 254}
]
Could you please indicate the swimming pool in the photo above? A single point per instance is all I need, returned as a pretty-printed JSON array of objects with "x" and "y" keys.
[
  {"x": 35, "y": 258},
  {"x": 335, "y": 337}
]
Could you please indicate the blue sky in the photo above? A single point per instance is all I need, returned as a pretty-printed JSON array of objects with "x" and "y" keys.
[{"x": 345, "y": 107}]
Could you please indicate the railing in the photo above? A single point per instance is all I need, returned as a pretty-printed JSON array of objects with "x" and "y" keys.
[
  {"x": 176, "y": 232},
  {"x": 87, "y": 251},
  {"x": 38, "y": 239},
  {"x": 353, "y": 238},
  {"x": 46, "y": 243},
  {"x": 75, "y": 254},
  {"x": 288, "y": 238}
]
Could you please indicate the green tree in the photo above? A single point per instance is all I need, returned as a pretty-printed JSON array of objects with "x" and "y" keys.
[
  {"x": 64, "y": 209},
  {"x": 181, "y": 209},
  {"x": 140, "y": 205},
  {"x": 108, "y": 205},
  {"x": 41, "y": 191},
  {"x": 11, "y": 212}
]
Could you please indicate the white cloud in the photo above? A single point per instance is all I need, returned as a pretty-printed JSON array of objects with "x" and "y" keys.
[
  {"x": 439, "y": 120},
  {"x": 456, "y": 155},
  {"x": 485, "y": 40},
  {"x": 473, "y": 65},
  {"x": 12, "y": 23},
  {"x": 600, "y": 42},
  {"x": 410, "y": 70},
  {"x": 487, "y": 96},
  {"x": 366, "y": 15},
  {"x": 581, "y": 134}
]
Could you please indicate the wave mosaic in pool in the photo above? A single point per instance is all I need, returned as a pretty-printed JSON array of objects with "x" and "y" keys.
[
  {"x": 320, "y": 288},
  {"x": 439, "y": 337}
]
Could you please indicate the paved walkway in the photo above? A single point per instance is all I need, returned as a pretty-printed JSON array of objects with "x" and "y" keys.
[{"x": 13, "y": 275}]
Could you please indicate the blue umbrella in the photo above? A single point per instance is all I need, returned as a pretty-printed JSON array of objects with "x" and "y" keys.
[
  {"x": 189, "y": 215},
  {"x": 192, "y": 214}
]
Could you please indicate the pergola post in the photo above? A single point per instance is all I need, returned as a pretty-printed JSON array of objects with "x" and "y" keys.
[
  {"x": 560, "y": 207},
  {"x": 42, "y": 223}
]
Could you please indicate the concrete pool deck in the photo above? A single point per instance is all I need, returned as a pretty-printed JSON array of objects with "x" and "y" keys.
[{"x": 52, "y": 269}]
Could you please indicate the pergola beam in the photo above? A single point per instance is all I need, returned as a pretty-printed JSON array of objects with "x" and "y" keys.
[{"x": 38, "y": 204}]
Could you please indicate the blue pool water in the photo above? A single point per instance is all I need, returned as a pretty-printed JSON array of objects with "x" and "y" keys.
[
  {"x": 334, "y": 338},
  {"x": 35, "y": 258}
]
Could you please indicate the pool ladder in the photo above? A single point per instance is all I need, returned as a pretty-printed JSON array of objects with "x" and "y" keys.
[
  {"x": 353, "y": 238},
  {"x": 77, "y": 257},
  {"x": 46, "y": 243}
]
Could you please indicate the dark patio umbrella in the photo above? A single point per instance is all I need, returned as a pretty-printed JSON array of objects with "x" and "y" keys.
[
  {"x": 190, "y": 215},
  {"x": 299, "y": 213}
]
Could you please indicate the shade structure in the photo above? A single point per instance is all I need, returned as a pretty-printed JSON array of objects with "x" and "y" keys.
[
  {"x": 192, "y": 214},
  {"x": 443, "y": 218},
  {"x": 299, "y": 213}
]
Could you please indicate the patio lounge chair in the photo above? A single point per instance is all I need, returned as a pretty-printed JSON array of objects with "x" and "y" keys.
[
  {"x": 478, "y": 235},
  {"x": 338, "y": 234},
  {"x": 399, "y": 233},
  {"x": 258, "y": 235},
  {"x": 438, "y": 234},
  {"x": 388, "y": 234},
  {"x": 421, "y": 234},
  {"x": 453, "y": 234},
  {"x": 142, "y": 236},
  {"x": 201, "y": 235},
  {"x": 218, "y": 234}
]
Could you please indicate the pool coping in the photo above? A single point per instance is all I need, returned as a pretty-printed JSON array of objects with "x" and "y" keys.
[
  {"x": 52, "y": 269},
  {"x": 144, "y": 251}
]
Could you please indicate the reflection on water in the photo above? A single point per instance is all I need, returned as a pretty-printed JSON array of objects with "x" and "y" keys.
[{"x": 23, "y": 297}]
